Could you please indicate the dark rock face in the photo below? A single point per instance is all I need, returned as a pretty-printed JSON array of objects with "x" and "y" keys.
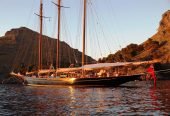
[
  {"x": 156, "y": 47},
  {"x": 19, "y": 50}
]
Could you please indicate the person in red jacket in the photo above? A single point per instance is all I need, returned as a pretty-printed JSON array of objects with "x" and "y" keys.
[{"x": 151, "y": 72}]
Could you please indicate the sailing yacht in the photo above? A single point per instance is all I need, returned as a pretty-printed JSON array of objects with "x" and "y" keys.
[{"x": 78, "y": 75}]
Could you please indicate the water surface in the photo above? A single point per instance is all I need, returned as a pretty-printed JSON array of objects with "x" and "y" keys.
[{"x": 134, "y": 98}]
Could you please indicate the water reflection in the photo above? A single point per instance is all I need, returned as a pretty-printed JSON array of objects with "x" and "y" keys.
[
  {"x": 135, "y": 98},
  {"x": 154, "y": 98}
]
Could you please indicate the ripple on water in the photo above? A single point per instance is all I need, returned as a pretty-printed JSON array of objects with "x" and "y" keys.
[{"x": 135, "y": 98}]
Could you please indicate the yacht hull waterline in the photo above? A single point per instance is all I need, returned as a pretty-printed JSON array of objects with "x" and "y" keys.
[{"x": 106, "y": 81}]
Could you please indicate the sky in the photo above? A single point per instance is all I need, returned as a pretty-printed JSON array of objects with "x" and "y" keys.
[{"x": 111, "y": 24}]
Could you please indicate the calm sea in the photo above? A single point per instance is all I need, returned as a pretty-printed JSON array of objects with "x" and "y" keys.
[{"x": 133, "y": 98}]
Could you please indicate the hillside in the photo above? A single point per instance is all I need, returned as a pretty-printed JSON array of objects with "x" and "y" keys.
[
  {"x": 156, "y": 47},
  {"x": 18, "y": 48}
]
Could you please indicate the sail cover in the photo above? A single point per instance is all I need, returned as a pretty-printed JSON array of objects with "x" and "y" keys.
[
  {"x": 93, "y": 66},
  {"x": 105, "y": 65}
]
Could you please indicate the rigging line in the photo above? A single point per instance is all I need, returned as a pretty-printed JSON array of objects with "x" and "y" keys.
[
  {"x": 20, "y": 51},
  {"x": 117, "y": 22},
  {"x": 54, "y": 35},
  {"x": 34, "y": 52},
  {"x": 97, "y": 38},
  {"x": 48, "y": 48},
  {"x": 95, "y": 30},
  {"x": 36, "y": 43},
  {"x": 15, "y": 57},
  {"x": 51, "y": 51},
  {"x": 30, "y": 55},
  {"x": 34, "y": 48},
  {"x": 63, "y": 46},
  {"x": 68, "y": 33},
  {"x": 46, "y": 42},
  {"x": 37, "y": 38},
  {"x": 86, "y": 54},
  {"x": 49, "y": 55},
  {"x": 31, "y": 62},
  {"x": 91, "y": 33},
  {"x": 120, "y": 48},
  {"x": 44, "y": 51},
  {"x": 31, "y": 49},
  {"x": 31, "y": 11},
  {"x": 101, "y": 26},
  {"x": 15, "y": 61},
  {"x": 54, "y": 26},
  {"x": 90, "y": 41},
  {"x": 25, "y": 51},
  {"x": 79, "y": 18},
  {"x": 78, "y": 35}
]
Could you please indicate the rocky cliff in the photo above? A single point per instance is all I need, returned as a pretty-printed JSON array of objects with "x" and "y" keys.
[
  {"x": 19, "y": 48},
  {"x": 156, "y": 47}
]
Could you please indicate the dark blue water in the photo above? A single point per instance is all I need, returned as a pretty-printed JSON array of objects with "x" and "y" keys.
[{"x": 134, "y": 98}]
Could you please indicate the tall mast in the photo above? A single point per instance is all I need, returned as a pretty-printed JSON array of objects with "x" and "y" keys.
[
  {"x": 40, "y": 38},
  {"x": 58, "y": 35},
  {"x": 84, "y": 35}
]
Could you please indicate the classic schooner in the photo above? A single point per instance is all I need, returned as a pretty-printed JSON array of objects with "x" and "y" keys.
[{"x": 78, "y": 75}]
